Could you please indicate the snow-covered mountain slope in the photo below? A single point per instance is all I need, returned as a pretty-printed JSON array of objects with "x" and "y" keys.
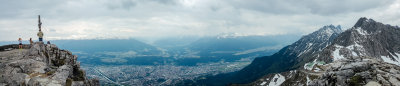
[
  {"x": 367, "y": 38},
  {"x": 310, "y": 44}
]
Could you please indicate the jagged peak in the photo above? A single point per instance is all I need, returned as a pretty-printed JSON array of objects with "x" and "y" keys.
[
  {"x": 362, "y": 21},
  {"x": 324, "y": 32},
  {"x": 329, "y": 29}
]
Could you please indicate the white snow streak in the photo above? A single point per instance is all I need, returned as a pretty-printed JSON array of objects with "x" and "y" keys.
[
  {"x": 277, "y": 80},
  {"x": 361, "y": 31},
  {"x": 308, "y": 80},
  {"x": 263, "y": 83},
  {"x": 336, "y": 55},
  {"x": 396, "y": 60}
]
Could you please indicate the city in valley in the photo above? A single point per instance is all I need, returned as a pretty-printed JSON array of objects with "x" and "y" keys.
[{"x": 159, "y": 74}]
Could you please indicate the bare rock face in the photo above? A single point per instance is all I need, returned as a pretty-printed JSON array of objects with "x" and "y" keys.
[
  {"x": 41, "y": 65},
  {"x": 359, "y": 71},
  {"x": 366, "y": 38},
  {"x": 356, "y": 71}
]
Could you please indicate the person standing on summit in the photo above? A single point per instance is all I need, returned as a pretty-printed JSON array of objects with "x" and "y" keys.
[
  {"x": 40, "y": 33},
  {"x": 20, "y": 43}
]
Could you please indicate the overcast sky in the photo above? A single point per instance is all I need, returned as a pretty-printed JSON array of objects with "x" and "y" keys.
[{"x": 154, "y": 19}]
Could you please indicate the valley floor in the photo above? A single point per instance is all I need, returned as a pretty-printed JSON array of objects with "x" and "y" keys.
[{"x": 158, "y": 74}]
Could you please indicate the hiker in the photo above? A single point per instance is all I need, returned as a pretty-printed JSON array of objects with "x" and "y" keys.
[
  {"x": 20, "y": 43},
  {"x": 30, "y": 41},
  {"x": 40, "y": 33}
]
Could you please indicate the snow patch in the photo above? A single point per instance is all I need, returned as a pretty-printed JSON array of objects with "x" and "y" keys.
[
  {"x": 361, "y": 31},
  {"x": 277, "y": 80},
  {"x": 354, "y": 53},
  {"x": 263, "y": 83},
  {"x": 309, "y": 44},
  {"x": 387, "y": 59},
  {"x": 355, "y": 47},
  {"x": 317, "y": 69},
  {"x": 308, "y": 80},
  {"x": 336, "y": 55},
  {"x": 397, "y": 55}
]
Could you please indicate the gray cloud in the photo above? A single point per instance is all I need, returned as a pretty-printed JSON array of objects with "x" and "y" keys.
[
  {"x": 319, "y": 7},
  {"x": 124, "y": 4},
  {"x": 153, "y": 19}
]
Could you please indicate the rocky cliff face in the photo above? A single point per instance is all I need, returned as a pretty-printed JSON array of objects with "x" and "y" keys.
[
  {"x": 378, "y": 47},
  {"x": 367, "y": 38},
  {"x": 41, "y": 65},
  {"x": 355, "y": 71},
  {"x": 359, "y": 71}
]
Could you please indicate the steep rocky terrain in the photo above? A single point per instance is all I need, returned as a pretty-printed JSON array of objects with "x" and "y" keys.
[
  {"x": 355, "y": 71},
  {"x": 359, "y": 71},
  {"x": 366, "y": 54},
  {"x": 367, "y": 38},
  {"x": 41, "y": 65}
]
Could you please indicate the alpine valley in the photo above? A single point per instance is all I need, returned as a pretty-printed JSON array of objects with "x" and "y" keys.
[{"x": 169, "y": 61}]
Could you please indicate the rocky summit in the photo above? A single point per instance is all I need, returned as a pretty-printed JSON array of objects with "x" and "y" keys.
[
  {"x": 41, "y": 64},
  {"x": 359, "y": 71}
]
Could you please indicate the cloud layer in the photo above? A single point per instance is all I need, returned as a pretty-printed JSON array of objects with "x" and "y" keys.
[{"x": 154, "y": 19}]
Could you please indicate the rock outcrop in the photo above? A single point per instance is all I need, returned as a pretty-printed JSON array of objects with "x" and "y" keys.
[
  {"x": 41, "y": 64},
  {"x": 355, "y": 71},
  {"x": 359, "y": 71}
]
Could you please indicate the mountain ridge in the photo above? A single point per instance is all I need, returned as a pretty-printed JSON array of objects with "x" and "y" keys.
[
  {"x": 366, "y": 38},
  {"x": 366, "y": 54}
]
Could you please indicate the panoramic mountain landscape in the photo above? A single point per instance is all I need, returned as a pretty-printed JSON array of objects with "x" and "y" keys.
[{"x": 200, "y": 43}]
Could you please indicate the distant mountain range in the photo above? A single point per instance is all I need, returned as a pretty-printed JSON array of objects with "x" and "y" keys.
[
  {"x": 188, "y": 51},
  {"x": 231, "y": 49}
]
